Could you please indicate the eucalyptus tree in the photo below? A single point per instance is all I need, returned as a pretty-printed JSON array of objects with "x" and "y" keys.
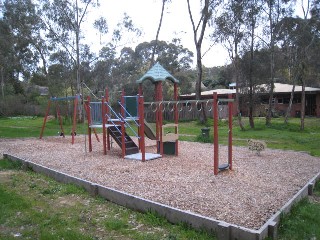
[
  {"x": 274, "y": 11},
  {"x": 103, "y": 69},
  {"x": 199, "y": 28},
  {"x": 22, "y": 42},
  {"x": 64, "y": 20},
  {"x": 21, "y": 18},
  {"x": 230, "y": 31},
  {"x": 300, "y": 42},
  {"x": 158, "y": 31},
  {"x": 252, "y": 19}
]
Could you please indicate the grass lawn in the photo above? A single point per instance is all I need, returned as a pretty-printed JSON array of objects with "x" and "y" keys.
[
  {"x": 277, "y": 135},
  {"x": 33, "y": 206}
]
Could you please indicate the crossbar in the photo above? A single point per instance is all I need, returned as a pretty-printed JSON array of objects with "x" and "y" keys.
[
  {"x": 64, "y": 98},
  {"x": 190, "y": 101}
]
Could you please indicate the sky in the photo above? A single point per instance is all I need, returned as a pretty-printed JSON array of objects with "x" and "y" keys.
[{"x": 145, "y": 15}]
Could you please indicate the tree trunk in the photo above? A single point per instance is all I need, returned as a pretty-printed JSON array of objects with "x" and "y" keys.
[
  {"x": 80, "y": 113},
  {"x": 239, "y": 117},
  {"x": 203, "y": 115},
  {"x": 303, "y": 104},
  {"x": 269, "y": 114},
  {"x": 198, "y": 42},
  {"x": 290, "y": 105},
  {"x": 157, "y": 35},
  {"x": 2, "y": 83},
  {"x": 251, "y": 93}
]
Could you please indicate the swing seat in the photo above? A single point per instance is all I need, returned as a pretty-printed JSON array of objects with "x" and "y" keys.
[{"x": 223, "y": 166}]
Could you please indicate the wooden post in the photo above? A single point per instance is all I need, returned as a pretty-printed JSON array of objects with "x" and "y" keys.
[
  {"x": 75, "y": 105},
  {"x": 215, "y": 134},
  {"x": 123, "y": 140},
  {"x": 230, "y": 108},
  {"x": 176, "y": 116},
  {"x": 104, "y": 131},
  {"x": 141, "y": 128},
  {"x": 107, "y": 120},
  {"x": 45, "y": 119},
  {"x": 160, "y": 116},
  {"x": 87, "y": 106}
]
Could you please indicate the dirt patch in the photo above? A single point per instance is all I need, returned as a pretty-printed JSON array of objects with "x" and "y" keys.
[{"x": 5, "y": 176}]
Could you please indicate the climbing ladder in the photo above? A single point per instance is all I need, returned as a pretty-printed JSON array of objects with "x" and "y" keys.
[{"x": 99, "y": 115}]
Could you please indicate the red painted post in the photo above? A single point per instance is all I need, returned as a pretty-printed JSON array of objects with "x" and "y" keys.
[
  {"x": 160, "y": 117},
  {"x": 123, "y": 140},
  {"x": 141, "y": 118},
  {"x": 176, "y": 116},
  {"x": 45, "y": 119},
  {"x": 104, "y": 131},
  {"x": 230, "y": 108},
  {"x": 87, "y": 105},
  {"x": 215, "y": 134},
  {"x": 157, "y": 115},
  {"x": 107, "y": 114},
  {"x": 75, "y": 105}
]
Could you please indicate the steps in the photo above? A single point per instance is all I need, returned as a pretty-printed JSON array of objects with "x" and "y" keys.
[{"x": 130, "y": 146}]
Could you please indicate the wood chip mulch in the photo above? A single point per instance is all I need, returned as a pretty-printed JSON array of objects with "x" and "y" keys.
[{"x": 248, "y": 196}]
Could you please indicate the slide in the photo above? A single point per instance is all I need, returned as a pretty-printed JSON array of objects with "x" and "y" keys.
[{"x": 148, "y": 131}]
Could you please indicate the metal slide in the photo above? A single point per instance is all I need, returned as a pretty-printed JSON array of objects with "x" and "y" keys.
[{"x": 148, "y": 131}]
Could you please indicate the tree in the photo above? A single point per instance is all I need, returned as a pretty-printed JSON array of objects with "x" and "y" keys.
[
  {"x": 252, "y": 19},
  {"x": 274, "y": 9},
  {"x": 230, "y": 32},
  {"x": 64, "y": 20},
  {"x": 158, "y": 31},
  {"x": 200, "y": 29},
  {"x": 299, "y": 37},
  {"x": 21, "y": 44}
]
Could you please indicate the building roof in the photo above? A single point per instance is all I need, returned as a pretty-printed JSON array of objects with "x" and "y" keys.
[
  {"x": 278, "y": 88},
  {"x": 210, "y": 92},
  {"x": 157, "y": 73},
  {"x": 287, "y": 88}
]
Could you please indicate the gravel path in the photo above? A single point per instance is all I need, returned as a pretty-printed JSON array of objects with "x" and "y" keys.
[{"x": 247, "y": 196}]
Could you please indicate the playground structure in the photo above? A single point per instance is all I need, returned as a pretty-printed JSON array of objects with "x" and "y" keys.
[
  {"x": 56, "y": 100},
  {"x": 102, "y": 115}
]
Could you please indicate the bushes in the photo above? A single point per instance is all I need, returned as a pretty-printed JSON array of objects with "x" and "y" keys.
[{"x": 14, "y": 105}]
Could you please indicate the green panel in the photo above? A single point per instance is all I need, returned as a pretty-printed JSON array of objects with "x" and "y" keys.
[
  {"x": 169, "y": 148},
  {"x": 131, "y": 104}
]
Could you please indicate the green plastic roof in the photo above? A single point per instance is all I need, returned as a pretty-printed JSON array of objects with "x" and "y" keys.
[{"x": 157, "y": 73}]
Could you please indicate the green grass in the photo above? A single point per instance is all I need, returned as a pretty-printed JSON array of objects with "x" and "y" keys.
[
  {"x": 303, "y": 221},
  {"x": 278, "y": 135},
  {"x": 21, "y": 127},
  {"x": 33, "y": 206}
]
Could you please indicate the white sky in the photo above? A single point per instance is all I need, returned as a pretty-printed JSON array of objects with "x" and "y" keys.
[{"x": 145, "y": 15}]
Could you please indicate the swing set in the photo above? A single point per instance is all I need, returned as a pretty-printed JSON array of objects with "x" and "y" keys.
[{"x": 56, "y": 100}]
